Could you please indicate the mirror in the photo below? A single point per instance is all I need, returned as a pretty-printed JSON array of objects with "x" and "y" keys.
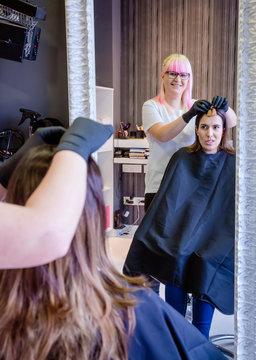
[
  {"x": 145, "y": 48},
  {"x": 245, "y": 211}
]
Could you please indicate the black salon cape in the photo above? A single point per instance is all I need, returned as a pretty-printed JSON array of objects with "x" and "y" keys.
[
  {"x": 186, "y": 238},
  {"x": 161, "y": 333}
]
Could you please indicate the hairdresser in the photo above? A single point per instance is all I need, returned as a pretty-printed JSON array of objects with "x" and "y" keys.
[{"x": 42, "y": 230}]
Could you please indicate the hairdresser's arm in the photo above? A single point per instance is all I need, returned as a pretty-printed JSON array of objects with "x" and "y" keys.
[
  {"x": 231, "y": 118},
  {"x": 220, "y": 102},
  {"x": 154, "y": 125},
  {"x": 165, "y": 132},
  {"x": 42, "y": 230}
]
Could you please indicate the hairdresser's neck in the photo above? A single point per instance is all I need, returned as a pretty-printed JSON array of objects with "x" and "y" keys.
[{"x": 174, "y": 101}]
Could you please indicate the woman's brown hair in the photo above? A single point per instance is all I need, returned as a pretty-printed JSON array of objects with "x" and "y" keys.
[
  {"x": 75, "y": 307},
  {"x": 224, "y": 145}
]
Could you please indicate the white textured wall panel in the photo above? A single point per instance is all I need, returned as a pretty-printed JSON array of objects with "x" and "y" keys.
[
  {"x": 245, "y": 295},
  {"x": 80, "y": 58}
]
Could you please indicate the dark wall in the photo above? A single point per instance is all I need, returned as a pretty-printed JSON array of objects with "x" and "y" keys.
[
  {"x": 103, "y": 42},
  {"x": 40, "y": 85},
  {"x": 107, "y": 18}
]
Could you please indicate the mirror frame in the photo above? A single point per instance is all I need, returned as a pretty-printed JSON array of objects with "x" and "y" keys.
[
  {"x": 245, "y": 225},
  {"x": 79, "y": 16},
  {"x": 82, "y": 102}
]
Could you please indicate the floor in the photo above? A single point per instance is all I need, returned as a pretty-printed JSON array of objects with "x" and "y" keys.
[{"x": 118, "y": 246}]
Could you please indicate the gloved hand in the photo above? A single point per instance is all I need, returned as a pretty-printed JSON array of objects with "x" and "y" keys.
[
  {"x": 84, "y": 137},
  {"x": 47, "y": 135},
  {"x": 219, "y": 102},
  {"x": 199, "y": 106}
]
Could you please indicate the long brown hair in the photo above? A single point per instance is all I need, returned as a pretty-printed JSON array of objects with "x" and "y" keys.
[
  {"x": 224, "y": 145},
  {"x": 74, "y": 307}
]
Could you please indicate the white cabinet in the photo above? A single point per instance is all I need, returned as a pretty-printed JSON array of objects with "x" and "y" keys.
[{"x": 104, "y": 157}]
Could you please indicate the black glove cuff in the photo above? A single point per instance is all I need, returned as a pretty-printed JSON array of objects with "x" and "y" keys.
[{"x": 186, "y": 118}]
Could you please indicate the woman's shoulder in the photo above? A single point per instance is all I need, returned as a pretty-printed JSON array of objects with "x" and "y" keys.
[
  {"x": 161, "y": 330},
  {"x": 231, "y": 160},
  {"x": 182, "y": 152},
  {"x": 152, "y": 102},
  {"x": 147, "y": 302}
]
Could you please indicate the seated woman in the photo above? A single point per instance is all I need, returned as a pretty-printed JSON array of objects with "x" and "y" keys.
[
  {"x": 80, "y": 307},
  {"x": 186, "y": 239}
]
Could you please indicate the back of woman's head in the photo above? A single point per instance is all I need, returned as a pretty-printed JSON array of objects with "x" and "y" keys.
[
  {"x": 179, "y": 63},
  {"x": 70, "y": 308},
  {"x": 28, "y": 174}
]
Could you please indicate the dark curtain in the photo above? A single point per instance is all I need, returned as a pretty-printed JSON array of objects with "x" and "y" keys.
[{"x": 203, "y": 30}]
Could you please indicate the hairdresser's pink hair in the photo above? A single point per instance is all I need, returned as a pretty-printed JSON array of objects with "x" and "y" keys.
[{"x": 179, "y": 63}]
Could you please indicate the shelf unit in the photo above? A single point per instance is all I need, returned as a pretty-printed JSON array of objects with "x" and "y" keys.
[
  {"x": 131, "y": 171},
  {"x": 104, "y": 113},
  {"x": 127, "y": 144}
]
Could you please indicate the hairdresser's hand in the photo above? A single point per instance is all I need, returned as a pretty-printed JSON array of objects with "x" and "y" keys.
[
  {"x": 84, "y": 137},
  {"x": 199, "y": 106},
  {"x": 47, "y": 135},
  {"x": 219, "y": 102}
]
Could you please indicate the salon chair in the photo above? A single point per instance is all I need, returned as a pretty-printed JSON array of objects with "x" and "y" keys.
[
  {"x": 217, "y": 340},
  {"x": 220, "y": 338}
]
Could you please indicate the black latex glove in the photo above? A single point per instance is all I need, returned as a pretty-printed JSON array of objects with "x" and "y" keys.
[
  {"x": 220, "y": 102},
  {"x": 47, "y": 135},
  {"x": 199, "y": 106},
  {"x": 84, "y": 137}
]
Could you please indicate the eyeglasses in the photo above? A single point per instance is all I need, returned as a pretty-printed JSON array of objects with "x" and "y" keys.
[{"x": 174, "y": 74}]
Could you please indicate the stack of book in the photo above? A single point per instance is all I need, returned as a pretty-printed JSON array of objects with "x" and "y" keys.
[{"x": 137, "y": 153}]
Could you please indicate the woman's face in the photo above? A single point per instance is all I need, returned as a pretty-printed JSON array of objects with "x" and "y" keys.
[
  {"x": 209, "y": 132},
  {"x": 173, "y": 84}
]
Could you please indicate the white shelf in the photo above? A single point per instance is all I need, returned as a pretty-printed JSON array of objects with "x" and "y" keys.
[
  {"x": 128, "y": 143},
  {"x": 130, "y": 161}
]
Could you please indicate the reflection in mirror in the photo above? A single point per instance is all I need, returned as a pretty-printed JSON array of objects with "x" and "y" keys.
[
  {"x": 148, "y": 37},
  {"x": 212, "y": 54},
  {"x": 245, "y": 293}
]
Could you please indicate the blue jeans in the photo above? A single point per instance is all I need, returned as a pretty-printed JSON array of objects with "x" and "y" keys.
[{"x": 202, "y": 310}]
